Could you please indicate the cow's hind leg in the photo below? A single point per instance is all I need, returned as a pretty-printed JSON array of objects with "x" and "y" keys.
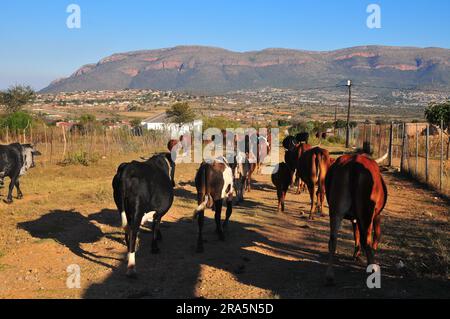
[
  {"x": 19, "y": 192},
  {"x": 335, "y": 225},
  {"x": 377, "y": 231},
  {"x": 9, "y": 199},
  {"x": 218, "y": 212},
  {"x": 366, "y": 241},
  {"x": 279, "y": 196},
  {"x": 229, "y": 211},
  {"x": 156, "y": 232},
  {"x": 132, "y": 235},
  {"x": 283, "y": 198},
  {"x": 356, "y": 236},
  {"x": 312, "y": 195}
]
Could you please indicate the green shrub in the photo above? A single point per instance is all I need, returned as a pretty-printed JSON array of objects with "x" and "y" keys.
[
  {"x": 336, "y": 140},
  {"x": 16, "y": 121},
  {"x": 219, "y": 122},
  {"x": 79, "y": 158}
]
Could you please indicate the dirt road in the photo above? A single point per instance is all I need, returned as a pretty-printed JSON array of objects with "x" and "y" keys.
[{"x": 68, "y": 217}]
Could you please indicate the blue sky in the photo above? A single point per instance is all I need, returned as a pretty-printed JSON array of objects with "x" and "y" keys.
[{"x": 37, "y": 47}]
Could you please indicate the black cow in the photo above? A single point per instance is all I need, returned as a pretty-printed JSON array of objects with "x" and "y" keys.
[
  {"x": 282, "y": 178},
  {"x": 302, "y": 137},
  {"x": 214, "y": 183},
  {"x": 290, "y": 146},
  {"x": 143, "y": 190},
  {"x": 15, "y": 160}
]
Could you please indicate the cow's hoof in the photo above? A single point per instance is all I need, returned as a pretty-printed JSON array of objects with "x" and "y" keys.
[
  {"x": 20, "y": 197},
  {"x": 8, "y": 201}
]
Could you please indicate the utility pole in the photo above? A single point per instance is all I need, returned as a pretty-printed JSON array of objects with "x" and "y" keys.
[{"x": 347, "y": 133}]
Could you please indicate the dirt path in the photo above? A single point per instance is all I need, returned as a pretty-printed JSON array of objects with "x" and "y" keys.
[{"x": 266, "y": 255}]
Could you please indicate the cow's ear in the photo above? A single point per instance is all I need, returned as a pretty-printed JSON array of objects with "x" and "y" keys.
[{"x": 37, "y": 153}]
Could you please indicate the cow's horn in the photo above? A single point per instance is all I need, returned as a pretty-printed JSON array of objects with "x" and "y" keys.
[{"x": 382, "y": 159}]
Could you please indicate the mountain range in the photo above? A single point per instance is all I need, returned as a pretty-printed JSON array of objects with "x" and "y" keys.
[{"x": 208, "y": 70}]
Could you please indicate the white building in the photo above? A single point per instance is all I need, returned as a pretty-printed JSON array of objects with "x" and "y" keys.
[{"x": 160, "y": 122}]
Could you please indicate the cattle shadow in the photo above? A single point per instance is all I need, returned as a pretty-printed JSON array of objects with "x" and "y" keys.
[
  {"x": 281, "y": 268},
  {"x": 185, "y": 194},
  {"x": 72, "y": 229},
  {"x": 285, "y": 270}
]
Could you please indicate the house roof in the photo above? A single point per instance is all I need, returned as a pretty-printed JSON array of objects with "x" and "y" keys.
[{"x": 160, "y": 118}]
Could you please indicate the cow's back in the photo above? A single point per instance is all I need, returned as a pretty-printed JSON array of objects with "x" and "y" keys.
[
  {"x": 214, "y": 179},
  {"x": 313, "y": 165},
  {"x": 354, "y": 182},
  {"x": 282, "y": 177},
  {"x": 147, "y": 186}
]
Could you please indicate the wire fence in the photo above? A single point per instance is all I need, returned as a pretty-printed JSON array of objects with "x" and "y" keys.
[
  {"x": 416, "y": 149},
  {"x": 60, "y": 145}
]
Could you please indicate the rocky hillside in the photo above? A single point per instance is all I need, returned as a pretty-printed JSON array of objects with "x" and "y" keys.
[{"x": 214, "y": 70}]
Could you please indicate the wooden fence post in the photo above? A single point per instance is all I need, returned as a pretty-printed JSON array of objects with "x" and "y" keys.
[
  {"x": 403, "y": 158},
  {"x": 65, "y": 143},
  {"x": 441, "y": 169},
  {"x": 417, "y": 150},
  {"x": 391, "y": 140},
  {"x": 427, "y": 154}
]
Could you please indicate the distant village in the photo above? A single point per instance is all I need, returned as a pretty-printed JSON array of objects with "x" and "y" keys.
[{"x": 128, "y": 108}]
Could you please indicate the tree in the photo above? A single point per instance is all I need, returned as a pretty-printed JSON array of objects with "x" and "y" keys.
[
  {"x": 340, "y": 124},
  {"x": 16, "y": 97},
  {"x": 437, "y": 112},
  {"x": 88, "y": 122},
  {"x": 434, "y": 113},
  {"x": 135, "y": 122},
  {"x": 16, "y": 121},
  {"x": 181, "y": 113}
]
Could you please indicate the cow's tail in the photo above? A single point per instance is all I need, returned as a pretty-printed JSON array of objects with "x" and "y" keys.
[
  {"x": 200, "y": 207},
  {"x": 123, "y": 213},
  {"x": 318, "y": 170},
  {"x": 204, "y": 204}
]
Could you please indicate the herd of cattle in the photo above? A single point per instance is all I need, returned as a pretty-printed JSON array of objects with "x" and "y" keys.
[
  {"x": 352, "y": 184},
  {"x": 144, "y": 191}
]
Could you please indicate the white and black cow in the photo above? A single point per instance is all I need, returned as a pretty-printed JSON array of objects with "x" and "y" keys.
[
  {"x": 15, "y": 160},
  {"x": 214, "y": 183},
  {"x": 241, "y": 170},
  {"x": 143, "y": 190}
]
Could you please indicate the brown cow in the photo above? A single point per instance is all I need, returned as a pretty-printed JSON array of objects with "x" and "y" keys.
[
  {"x": 356, "y": 191},
  {"x": 312, "y": 167},
  {"x": 300, "y": 150}
]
